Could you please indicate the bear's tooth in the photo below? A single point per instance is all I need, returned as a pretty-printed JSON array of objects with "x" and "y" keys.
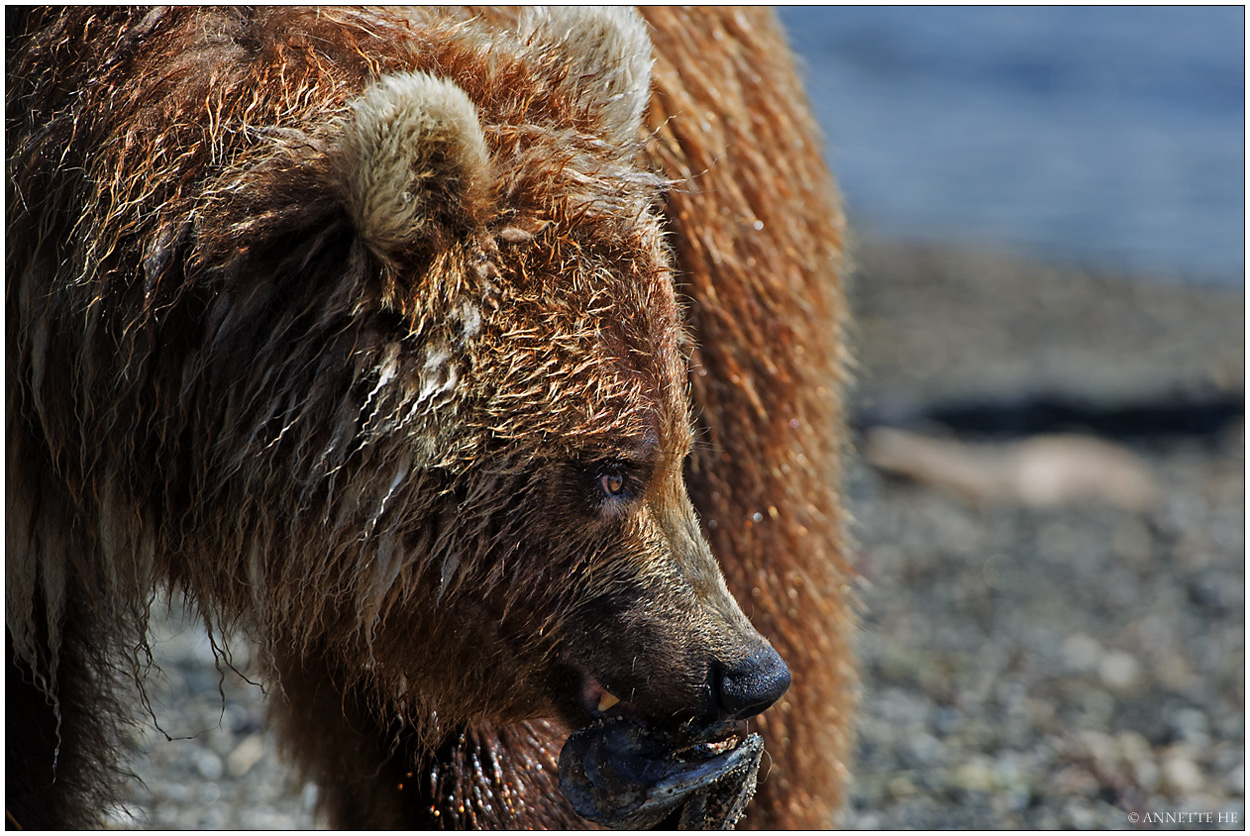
[{"x": 607, "y": 701}]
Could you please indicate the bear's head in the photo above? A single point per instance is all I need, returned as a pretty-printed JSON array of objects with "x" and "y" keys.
[{"x": 475, "y": 435}]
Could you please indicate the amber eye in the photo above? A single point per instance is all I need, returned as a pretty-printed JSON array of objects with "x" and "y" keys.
[{"x": 612, "y": 484}]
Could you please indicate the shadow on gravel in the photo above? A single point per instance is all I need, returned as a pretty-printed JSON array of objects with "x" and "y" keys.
[{"x": 1031, "y": 414}]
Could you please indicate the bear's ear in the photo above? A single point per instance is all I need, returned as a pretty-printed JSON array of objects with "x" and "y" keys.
[
  {"x": 414, "y": 165},
  {"x": 607, "y": 52}
]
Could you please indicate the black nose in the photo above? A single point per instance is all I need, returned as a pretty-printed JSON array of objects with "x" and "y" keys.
[{"x": 752, "y": 685}]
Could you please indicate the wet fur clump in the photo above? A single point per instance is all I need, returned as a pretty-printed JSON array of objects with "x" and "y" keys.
[{"x": 338, "y": 323}]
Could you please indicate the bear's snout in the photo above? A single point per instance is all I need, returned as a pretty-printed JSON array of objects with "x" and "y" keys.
[{"x": 752, "y": 685}]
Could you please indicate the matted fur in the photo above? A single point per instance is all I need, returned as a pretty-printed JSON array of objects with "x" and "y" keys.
[{"x": 380, "y": 421}]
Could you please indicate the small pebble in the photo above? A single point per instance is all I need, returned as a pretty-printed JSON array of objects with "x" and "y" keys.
[
  {"x": 208, "y": 764},
  {"x": 1180, "y": 774},
  {"x": 1118, "y": 670},
  {"x": 245, "y": 756}
]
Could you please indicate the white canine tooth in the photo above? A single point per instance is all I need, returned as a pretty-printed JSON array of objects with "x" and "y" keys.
[{"x": 607, "y": 701}]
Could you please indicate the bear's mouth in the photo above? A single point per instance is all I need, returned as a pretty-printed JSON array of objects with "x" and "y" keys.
[{"x": 624, "y": 771}]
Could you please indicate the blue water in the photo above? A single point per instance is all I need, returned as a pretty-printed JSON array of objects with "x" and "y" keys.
[{"x": 1111, "y": 136}]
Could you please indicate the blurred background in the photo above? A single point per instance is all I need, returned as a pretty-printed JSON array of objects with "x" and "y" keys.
[
  {"x": 1048, "y": 500},
  {"x": 1112, "y": 136},
  {"x": 1049, "y": 321}
]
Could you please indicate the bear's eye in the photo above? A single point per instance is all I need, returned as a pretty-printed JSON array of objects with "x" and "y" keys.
[{"x": 612, "y": 484}]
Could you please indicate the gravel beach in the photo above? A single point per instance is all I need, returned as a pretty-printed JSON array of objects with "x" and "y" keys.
[
  {"x": 1065, "y": 660},
  {"x": 1049, "y": 515}
]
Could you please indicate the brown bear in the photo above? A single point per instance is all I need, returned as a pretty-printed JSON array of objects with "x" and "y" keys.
[{"x": 441, "y": 350}]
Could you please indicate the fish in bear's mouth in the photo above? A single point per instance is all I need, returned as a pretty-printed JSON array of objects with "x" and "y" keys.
[{"x": 624, "y": 772}]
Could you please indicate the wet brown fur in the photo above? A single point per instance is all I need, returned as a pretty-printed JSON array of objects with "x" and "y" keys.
[
  {"x": 162, "y": 428},
  {"x": 768, "y": 373}
]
